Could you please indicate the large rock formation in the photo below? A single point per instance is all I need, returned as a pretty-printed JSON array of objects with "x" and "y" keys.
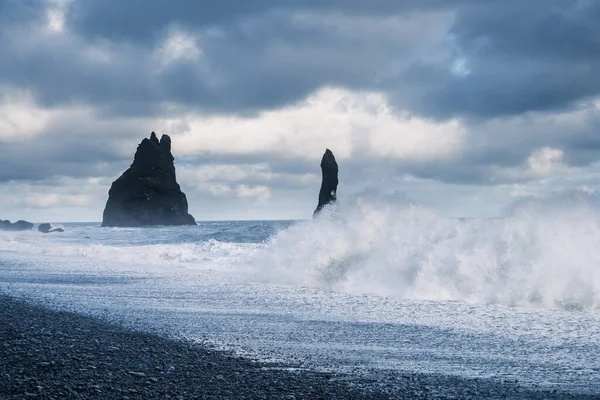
[
  {"x": 17, "y": 226},
  {"x": 148, "y": 193},
  {"x": 327, "y": 194}
]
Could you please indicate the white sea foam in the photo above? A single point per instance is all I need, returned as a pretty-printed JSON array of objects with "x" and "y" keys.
[
  {"x": 208, "y": 253},
  {"x": 544, "y": 253}
]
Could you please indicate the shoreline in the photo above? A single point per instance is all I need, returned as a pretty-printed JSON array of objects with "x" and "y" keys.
[
  {"x": 48, "y": 354},
  {"x": 62, "y": 355}
]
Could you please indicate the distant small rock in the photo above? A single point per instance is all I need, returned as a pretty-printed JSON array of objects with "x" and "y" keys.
[
  {"x": 17, "y": 226},
  {"x": 329, "y": 184},
  {"x": 47, "y": 228}
]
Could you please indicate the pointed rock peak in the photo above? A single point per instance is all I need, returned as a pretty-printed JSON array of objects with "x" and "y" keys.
[
  {"x": 329, "y": 169},
  {"x": 328, "y": 158},
  {"x": 152, "y": 154},
  {"x": 165, "y": 142}
]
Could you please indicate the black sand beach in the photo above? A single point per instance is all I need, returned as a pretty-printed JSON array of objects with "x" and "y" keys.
[{"x": 50, "y": 354}]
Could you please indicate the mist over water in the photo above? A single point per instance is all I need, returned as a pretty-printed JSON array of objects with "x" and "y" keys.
[{"x": 542, "y": 254}]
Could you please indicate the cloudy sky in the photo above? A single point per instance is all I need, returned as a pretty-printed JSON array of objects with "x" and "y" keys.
[{"x": 464, "y": 105}]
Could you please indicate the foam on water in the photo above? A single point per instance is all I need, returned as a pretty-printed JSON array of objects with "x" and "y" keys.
[
  {"x": 543, "y": 254},
  {"x": 69, "y": 248}
]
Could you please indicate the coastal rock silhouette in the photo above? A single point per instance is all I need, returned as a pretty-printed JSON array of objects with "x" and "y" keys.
[
  {"x": 47, "y": 228},
  {"x": 20, "y": 225},
  {"x": 148, "y": 193},
  {"x": 329, "y": 184}
]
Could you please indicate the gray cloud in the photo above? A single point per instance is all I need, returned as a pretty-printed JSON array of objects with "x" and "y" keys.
[
  {"x": 501, "y": 68},
  {"x": 144, "y": 21},
  {"x": 516, "y": 56},
  {"x": 523, "y": 56}
]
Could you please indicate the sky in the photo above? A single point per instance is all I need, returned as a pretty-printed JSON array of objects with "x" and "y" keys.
[{"x": 466, "y": 106}]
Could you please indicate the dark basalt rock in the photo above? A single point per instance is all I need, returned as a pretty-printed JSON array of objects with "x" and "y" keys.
[
  {"x": 17, "y": 226},
  {"x": 44, "y": 228},
  {"x": 148, "y": 193},
  {"x": 327, "y": 194},
  {"x": 47, "y": 228}
]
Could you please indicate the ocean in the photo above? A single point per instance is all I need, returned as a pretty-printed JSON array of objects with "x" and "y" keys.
[{"x": 376, "y": 285}]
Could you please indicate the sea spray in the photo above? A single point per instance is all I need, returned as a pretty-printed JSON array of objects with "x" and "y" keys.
[{"x": 544, "y": 253}]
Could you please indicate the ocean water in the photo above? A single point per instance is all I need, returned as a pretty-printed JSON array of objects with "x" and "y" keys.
[{"x": 375, "y": 285}]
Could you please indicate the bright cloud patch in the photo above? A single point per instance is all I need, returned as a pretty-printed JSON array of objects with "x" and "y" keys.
[
  {"x": 56, "y": 10},
  {"x": 20, "y": 118},
  {"x": 541, "y": 163},
  {"x": 545, "y": 161},
  {"x": 352, "y": 124},
  {"x": 178, "y": 46},
  {"x": 256, "y": 193},
  {"x": 56, "y": 200}
]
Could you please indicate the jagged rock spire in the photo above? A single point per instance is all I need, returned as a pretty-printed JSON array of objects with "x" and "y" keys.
[{"x": 329, "y": 184}]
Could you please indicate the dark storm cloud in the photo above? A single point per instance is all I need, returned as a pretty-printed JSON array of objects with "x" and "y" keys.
[
  {"x": 16, "y": 11},
  {"x": 523, "y": 56},
  {"x": 143, "y": 20},
  {"x": 77, "y": 156},
  {"x": 518, "y": 56},
  {"x": 265, "y": 61}
]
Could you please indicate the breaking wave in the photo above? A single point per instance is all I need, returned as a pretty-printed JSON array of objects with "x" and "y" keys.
[
  {"x": 210, "y": 253},
  {"x": 544, "y": 253}
]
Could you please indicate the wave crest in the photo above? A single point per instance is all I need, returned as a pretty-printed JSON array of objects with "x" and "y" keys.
[{"x": 545, "y": 253}]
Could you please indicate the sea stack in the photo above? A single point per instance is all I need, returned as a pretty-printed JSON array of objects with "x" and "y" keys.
[
  {"x": 148, "y": 193},
  {"x": 329, "y": 168}
]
